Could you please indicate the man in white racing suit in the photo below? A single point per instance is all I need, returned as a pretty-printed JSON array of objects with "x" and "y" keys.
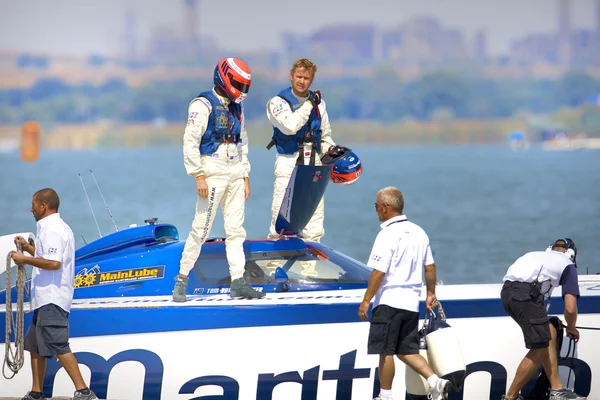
[
  {"x": 300, "y": 123},
  {"x": 215, "y": 148}
]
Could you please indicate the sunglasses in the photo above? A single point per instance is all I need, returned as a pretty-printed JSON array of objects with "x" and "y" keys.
[{"x": 380, "y": 204}]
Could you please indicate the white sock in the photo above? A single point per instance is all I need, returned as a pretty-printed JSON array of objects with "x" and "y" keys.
[
  {"x": 432, "y": 380},
  {"x": 385, "y": 394}
]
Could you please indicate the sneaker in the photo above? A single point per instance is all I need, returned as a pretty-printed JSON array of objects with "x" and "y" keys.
[
  {"x": 506, "y": 398},
  {"x": 440, "y": 391},
  {"x": 179, "y": 290},
  {"x": 80, "y": 396},
  {"x": 378, "y": 398},
  {"x": 565, "y": 393},
  {"x": 29, "y": 397},
  {"x": 241, "y": 290}
]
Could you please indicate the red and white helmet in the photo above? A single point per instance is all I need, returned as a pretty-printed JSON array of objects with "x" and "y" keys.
[{"x": 232, "y": 76}]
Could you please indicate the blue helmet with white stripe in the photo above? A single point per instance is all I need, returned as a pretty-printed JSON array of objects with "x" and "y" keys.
[{"x": 347, "y": 169}]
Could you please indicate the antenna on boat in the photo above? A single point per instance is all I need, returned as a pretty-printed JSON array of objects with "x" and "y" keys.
[
  {"x": 91, "y": 208},
  {"x": 106, "y": 205}
]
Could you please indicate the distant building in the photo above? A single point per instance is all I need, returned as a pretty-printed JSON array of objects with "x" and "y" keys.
[
  {"x": 566, "y": 47},
  {"x": 191, "y": 21},
  {"x": 564, "y": 32},
  {"x": 184, "y": 44},
  {"x": 344, "y": 42},
  {"x": 480, "y": 46},
  {"x": 583, "y": 49},
  {"x": 423, "y": 41},
  {"x": 533, "y": 48},
  {"x": 413, "y": 42},
  {"x": 598, "y": 17},
  {"x": 130, "y": 50}
]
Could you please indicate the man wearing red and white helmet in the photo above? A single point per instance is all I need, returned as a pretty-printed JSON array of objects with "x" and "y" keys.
[
  {"x": 215, "y": 151},
  {"x": 301, "y": 134}
]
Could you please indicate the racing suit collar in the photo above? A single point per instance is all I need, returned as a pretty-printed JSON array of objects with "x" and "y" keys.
[
  {"x": 224, "y": 100},
  {"x": 298, "y": 97}
]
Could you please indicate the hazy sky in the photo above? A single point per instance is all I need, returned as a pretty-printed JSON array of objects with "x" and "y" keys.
[{"x": 85, "y": 26}]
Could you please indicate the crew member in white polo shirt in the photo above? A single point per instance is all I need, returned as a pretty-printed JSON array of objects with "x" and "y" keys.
[
  {"x": 51, "y": 294},
  {"x": 399, "y": 255},
  {"x": 528, "y": 284}
]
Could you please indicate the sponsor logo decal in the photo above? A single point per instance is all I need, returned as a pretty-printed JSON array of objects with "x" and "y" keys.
[{"x": 95, "y": 277}]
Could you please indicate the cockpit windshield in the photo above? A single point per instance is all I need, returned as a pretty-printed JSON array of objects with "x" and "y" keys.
[{"x": 315, "y": 263}]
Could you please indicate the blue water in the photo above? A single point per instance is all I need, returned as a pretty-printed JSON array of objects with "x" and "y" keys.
[{"x": 482, "y": 207}]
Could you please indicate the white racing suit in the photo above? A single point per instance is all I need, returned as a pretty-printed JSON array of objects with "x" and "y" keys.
[
  {"x": 224, "y": 171},
  {"x": 281, "y": 116}
]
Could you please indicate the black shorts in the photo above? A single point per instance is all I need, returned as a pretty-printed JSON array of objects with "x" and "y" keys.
[
  {"x": 48, "y": 334},
  {"x": 529, "y": 312},
  {"x": 393, "y": 331}
]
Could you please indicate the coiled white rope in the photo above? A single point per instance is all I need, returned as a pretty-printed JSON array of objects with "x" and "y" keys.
[{"x": 14, "y": 359}]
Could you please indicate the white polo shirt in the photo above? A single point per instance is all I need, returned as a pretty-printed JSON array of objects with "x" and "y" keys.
[
  {"x": 401, "y": 250},
  {"x": 54, "y": 241},
  {"x": 550, "y": 268}
]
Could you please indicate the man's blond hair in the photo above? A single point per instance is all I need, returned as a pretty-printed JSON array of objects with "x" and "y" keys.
[{"x": 306, "y": 64}]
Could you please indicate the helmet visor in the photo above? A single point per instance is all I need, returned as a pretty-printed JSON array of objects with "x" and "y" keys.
[{"x": 242, "y": 87}]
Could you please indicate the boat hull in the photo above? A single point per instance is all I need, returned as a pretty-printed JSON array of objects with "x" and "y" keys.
[{"x": 288, "y": 346}]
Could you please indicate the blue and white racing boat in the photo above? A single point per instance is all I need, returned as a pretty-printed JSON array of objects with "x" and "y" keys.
[{"x": 303, "y": 341}]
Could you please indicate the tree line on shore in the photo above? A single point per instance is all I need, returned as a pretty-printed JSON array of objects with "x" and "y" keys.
[{"x": 382, "y": 98}]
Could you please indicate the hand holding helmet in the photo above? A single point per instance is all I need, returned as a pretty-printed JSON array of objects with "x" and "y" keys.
[
  {"x": 346, "y": 169},
  {"x": 334, "y": 154}
]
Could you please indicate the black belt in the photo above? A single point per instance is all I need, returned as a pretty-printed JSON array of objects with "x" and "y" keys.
[
  {"x": 533, "y": 288},
  {"x": 518, "y": 285}
]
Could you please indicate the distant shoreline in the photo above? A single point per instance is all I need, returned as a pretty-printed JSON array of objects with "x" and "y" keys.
[{"x": 110, "y": 134}]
